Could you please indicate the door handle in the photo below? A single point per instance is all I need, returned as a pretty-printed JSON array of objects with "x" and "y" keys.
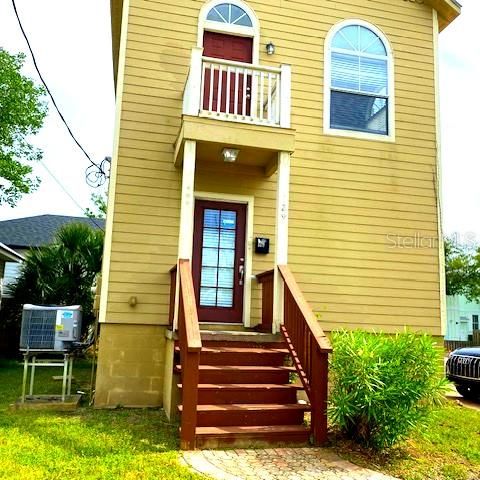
[{"x": 241, "y": 274}]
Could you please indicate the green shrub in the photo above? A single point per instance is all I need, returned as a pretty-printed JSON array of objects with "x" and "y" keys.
[{"x": 383, "y": 386}]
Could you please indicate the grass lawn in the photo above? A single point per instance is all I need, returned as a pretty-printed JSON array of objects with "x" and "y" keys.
[
  {"x": 449, "y": 449},
  {"x": 85, "y": 444},
  {"x": 142, "y": 444}
]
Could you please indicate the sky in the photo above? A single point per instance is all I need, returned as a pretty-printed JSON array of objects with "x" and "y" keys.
[
  {"x": 459, "y": 106},
  {"x": 71, "y": 41}
]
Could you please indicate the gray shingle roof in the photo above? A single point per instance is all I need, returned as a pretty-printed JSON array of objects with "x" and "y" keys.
[
  {"x": 9, "y": 255},
  {"x": 39, "y": 230}
]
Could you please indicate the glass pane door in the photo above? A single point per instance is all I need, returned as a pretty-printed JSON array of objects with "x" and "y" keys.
[{"x": 218, "y": 258}]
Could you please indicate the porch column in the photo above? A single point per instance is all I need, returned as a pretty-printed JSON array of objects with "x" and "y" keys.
[
  {"x": 185, "y": 239},
  {"x": 187, "y": 206},
  {"x": 281, "y": 235}
]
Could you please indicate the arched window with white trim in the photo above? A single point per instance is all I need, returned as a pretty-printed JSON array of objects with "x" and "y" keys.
[
  {"x": 358, "y": 82},
  {"x": 230, "y": 14}
]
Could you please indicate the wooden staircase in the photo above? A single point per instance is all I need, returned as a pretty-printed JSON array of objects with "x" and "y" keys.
[
  {"x": 245, "y": 397},
  {"x": 235, "y": 386}
]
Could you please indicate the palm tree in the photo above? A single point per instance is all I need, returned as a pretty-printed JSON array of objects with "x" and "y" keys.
[{"x": 62, "y": 273}]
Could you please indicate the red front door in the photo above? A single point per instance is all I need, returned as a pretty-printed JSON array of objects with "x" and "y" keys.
[
  {"x": 219, "y": 260},
  {"x": 227, "y": 47}
]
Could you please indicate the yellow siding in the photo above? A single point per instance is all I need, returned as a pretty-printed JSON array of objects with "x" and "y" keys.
[{"x": 347, "y": 194}]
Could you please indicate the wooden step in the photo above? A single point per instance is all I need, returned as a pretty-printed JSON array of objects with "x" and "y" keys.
[
  {"x": 249, "y": 436},
  {"x": 219, "y": 394},
  {"x": 241, "y": 355},
  {"x": 250, "y": 414},
  {"x": 221, "y": 355},
  {"x": 244, "y": 344},
  {"x": 242, "y": 373},
  {"x": 247, "y": 338},
  {"x": 224, "y": 326}
]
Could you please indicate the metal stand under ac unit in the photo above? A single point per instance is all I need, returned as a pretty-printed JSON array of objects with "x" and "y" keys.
[{"x": 30, "y": 360}]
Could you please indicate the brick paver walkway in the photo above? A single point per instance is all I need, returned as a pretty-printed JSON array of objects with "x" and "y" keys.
[{"x": 277, "y": 464}]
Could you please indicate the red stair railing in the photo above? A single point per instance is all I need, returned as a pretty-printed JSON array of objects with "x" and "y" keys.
[
  {"x": 308, "y": 345},
  {"x": 266, "y": 280},
  {"x": 190, "y": 347},
  {"x": 173, "y": 287}
]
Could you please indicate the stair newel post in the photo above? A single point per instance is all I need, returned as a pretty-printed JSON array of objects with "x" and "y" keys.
[
  {"x": 190, "y": 377},
  {"x": 190, "y": 348},
  {"x": 265, "y": 279},
  {"x": 319, "y": 383}
]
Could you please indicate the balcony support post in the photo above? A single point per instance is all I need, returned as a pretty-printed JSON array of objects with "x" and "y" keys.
[
  {"x": 187, "y": 206},
  {"x": 285, "y": 95},
  {"x": 281, "y": 235}
]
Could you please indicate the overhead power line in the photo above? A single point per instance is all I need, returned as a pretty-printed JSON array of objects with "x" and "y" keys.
[
  {"x": 96, "y": 174},
  {"x": 59, "y": 183}
]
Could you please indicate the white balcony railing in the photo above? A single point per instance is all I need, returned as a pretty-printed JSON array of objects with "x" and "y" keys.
[{"x": 238, "y": 92}]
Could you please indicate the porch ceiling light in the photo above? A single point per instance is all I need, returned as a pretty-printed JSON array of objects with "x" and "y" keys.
[
  {"x": 270, "y": 47},
  {"x": 230, "y": 154}
]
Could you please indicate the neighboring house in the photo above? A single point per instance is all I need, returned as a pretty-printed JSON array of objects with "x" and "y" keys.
[
  {"x": 313, "y": 125},
  {"x": 7, "y": 257},
  {"x": 22, "y": 234},
  {"x": 462, "y": 318}
]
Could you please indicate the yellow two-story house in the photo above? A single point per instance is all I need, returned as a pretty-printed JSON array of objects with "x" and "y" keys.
[{"x": 283, "y": 158}]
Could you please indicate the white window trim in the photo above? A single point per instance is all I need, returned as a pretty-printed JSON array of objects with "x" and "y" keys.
[
  {"x": 249, "y": 201},
  {"x": 327, "y": 130},
  {"x": 238, "y": 30}
]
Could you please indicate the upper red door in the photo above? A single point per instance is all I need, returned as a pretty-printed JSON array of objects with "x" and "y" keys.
[
  {"x": 237, "y": 49},
  {"x": 228, "y": 47}
]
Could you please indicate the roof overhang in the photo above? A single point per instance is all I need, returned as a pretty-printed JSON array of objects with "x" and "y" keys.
[
  {"x": 448, "y": 11},
  {"x": 9, "y": 255},
  {"x": 116, "y": 8}
]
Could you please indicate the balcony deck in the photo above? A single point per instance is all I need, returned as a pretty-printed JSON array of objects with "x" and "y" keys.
[
  {"x": 258, "y": 145},
  {"x": 236, "y": 105}
]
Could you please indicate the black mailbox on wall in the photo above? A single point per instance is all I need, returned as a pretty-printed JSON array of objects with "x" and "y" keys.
[{"x": 262, "y": 245}]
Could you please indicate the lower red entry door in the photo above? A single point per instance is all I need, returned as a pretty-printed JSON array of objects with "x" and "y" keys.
[{"x": 219, "y": 260}]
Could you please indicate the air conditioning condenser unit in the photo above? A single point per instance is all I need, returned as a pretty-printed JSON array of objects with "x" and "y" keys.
[{"x": 50, "y": 328}]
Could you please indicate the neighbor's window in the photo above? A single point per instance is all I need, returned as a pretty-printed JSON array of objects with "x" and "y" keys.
[
  {"x": 359, "y": 81},
  {"x": 474, "y": 322}
]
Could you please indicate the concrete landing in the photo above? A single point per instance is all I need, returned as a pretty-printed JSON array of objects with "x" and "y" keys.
[{"x": 48, "y": 402}]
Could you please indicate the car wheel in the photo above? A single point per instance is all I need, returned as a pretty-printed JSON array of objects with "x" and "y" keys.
[{"x": 470, "y": 393}]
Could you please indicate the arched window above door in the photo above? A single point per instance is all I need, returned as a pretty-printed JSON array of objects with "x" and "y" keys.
[
  {"x": 233, "y": 18},
  {"x": 230, "y": 14}
]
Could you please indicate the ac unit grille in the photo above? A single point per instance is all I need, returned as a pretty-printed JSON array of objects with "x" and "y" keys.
[{"x": 38, "y": 329}]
